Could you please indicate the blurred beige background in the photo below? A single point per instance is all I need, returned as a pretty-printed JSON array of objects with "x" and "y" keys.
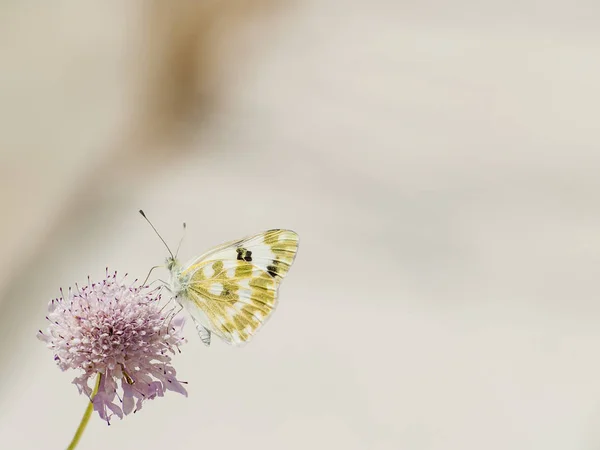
[{"x": 439, "y": 161}]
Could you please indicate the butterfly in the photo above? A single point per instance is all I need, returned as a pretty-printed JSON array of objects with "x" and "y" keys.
[{"x": 232, "y": 290}]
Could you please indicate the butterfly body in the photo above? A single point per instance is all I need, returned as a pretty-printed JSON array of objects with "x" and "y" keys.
[
  {"x": 177, "y": 283},
  {"x": 232, "y": 290}
]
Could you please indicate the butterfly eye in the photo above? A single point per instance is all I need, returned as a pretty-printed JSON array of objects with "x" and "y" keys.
[{"x": 170, "y": 263}]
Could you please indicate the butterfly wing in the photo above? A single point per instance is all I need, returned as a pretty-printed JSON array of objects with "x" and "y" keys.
[{"x": 232, "y": 290}]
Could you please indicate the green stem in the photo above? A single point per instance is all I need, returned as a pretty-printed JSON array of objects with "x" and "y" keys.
[{"x": 86, "y": 416}]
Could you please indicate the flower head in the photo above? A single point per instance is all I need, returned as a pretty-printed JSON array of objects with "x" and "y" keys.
[{"x": 120, "y": 332}]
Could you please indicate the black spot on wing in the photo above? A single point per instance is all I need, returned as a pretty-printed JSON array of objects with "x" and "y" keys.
[
  {"x": 240, "y": 253},
  {"x": 272, "y": 270},
  {"x": 243, "y": 254}
]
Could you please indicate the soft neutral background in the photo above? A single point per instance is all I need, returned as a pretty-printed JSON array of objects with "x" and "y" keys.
[{"x": 439, "y": 160}]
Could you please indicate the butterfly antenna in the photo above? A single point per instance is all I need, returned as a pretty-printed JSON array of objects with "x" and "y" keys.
[
  {"x": 180, "y": 240},
  {"x": 157, "y": 233}
]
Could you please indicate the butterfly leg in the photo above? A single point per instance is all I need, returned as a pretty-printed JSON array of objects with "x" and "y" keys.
[
  {"x": 166, "y": 286},
  {"x": 148, "y": 276},
  {"x": 173, "y": 316}
]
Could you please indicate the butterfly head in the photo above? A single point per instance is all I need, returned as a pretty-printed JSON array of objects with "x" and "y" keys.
[{"x": 171, "y": 263}]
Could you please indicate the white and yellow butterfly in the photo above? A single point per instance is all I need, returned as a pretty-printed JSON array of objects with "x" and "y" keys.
[{"x": 231, "y": 290}]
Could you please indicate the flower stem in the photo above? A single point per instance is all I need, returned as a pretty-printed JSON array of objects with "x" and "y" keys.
[{"x": 86, "y": 415}]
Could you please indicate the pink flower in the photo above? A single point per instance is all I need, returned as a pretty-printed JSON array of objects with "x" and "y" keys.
[{"x": 120, "y": 332}]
